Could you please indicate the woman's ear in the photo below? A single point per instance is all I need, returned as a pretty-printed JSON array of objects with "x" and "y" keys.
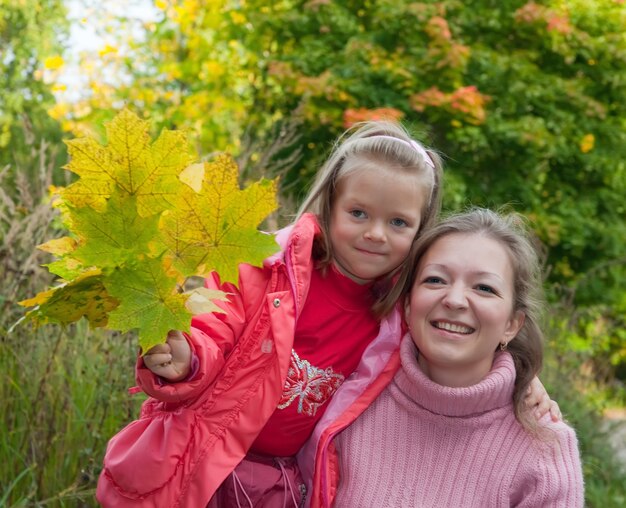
[{"x": 514, "y": 325}]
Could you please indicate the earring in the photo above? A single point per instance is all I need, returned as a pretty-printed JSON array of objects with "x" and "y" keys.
[{"x": 503, "y": 346}]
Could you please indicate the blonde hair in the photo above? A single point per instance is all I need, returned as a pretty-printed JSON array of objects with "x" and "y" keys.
[
  {"x": 388, "y": 144},
  {"x": 508, "y": 229}
]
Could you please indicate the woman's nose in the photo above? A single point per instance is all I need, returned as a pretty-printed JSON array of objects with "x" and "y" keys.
[{"x": 455, "y": 297}]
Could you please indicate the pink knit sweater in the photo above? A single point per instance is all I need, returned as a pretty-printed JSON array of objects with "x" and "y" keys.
[{"x": 421, "y": 444}]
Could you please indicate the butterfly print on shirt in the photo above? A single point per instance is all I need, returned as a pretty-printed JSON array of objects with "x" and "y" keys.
[{"x": 310, "y": 385}]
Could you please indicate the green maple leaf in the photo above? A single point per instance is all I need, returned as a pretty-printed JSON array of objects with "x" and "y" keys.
[
  {"x": 111, "y": 238},
  {"x": 84, "y": 296},
  {"x": 148, "y": 301},
  {"x": 128, "y": 163},
  {"x": 68, "y": 268},
  {"x": 216, "y": 229}
]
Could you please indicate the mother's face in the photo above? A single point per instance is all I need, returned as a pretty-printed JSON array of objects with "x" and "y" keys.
[{"x": 461, "y": 307}]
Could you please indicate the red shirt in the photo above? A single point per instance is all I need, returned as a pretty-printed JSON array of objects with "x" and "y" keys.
[{"x": 333, "y": 330}]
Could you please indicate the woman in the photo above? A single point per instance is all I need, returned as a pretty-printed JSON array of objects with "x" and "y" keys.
[{"x": 452, "y": 429}]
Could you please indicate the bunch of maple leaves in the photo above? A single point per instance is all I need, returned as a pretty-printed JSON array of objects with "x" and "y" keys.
[{"x": 143, "y": 218}]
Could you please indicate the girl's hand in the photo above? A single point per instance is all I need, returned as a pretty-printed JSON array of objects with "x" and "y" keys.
[
  {"x": 537, "y": 397},
  {"x": 171, "y": 360}
]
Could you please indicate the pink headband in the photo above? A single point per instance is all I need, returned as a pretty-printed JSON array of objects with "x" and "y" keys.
[
  {"x": 420, "y": 150},
  {"x": 416, "y": 146}
]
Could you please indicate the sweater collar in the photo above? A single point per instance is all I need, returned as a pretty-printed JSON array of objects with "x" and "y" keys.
[{"x": 493, "y": 392}]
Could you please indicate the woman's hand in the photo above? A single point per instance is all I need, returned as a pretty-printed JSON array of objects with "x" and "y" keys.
[
  {"x": 537, "y": 397},
  {"x": 171, "y": 360}
]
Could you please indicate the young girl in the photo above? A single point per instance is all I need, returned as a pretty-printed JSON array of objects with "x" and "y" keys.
[
  {"x": 461, "y": 434},
  {"x": 234, "y": 401},
  {"x": 252, "y": 382}
]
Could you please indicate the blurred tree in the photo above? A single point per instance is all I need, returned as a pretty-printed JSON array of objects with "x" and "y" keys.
[
  {"x": 31, "y": 36},
  {"x": 526, "y": 99}
]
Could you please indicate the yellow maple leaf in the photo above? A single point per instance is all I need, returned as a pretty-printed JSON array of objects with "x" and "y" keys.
[
  {"x": 130, "y": 163},
  {"x": 201, "y": 300},
  {"x": 59, "y": 246},
  {"x": 193, "y": 175},
  {"x": 216, "y": 229}
]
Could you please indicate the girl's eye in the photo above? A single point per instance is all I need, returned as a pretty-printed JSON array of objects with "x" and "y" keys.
[
  {"x": 359, "y": 214},
  {"x": 398, "y": 223},
  {"x": 485, "y": 289}
]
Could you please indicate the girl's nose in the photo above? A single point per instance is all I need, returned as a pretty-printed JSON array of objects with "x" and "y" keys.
[
  {"x": 455, "y": 297},
  {"x": 375, "y": 232}
]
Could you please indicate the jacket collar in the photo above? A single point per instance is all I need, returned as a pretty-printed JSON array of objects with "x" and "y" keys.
[
  {"x": 299, "y": 233},
  {"x": 296, "y": 246}
]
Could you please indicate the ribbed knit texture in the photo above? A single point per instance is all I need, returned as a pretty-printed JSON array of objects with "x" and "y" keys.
[{"x": 421, "y": 444}]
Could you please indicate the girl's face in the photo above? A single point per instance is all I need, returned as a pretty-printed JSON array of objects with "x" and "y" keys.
[
  {"x": 461, "y": 307},
  {"x": 374, "y": 218}
]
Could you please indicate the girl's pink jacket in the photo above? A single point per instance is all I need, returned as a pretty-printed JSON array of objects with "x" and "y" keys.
[{"x": 191, "y": 435}]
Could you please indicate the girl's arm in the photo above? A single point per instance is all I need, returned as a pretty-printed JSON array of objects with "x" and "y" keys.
[
  {"x": 198, "y": 357},
  {"x": 537, "y": 397}
]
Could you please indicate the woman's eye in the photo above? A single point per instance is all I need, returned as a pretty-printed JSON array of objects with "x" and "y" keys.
[
  {"x": 485, "y": 289},
  {"x": 398, "y": 223},
  {"x": 433, "y": 280}
]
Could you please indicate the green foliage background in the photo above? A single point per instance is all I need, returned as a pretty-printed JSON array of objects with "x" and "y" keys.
[
  {"x": 30, "y": 31},
  {"x": 525, "y": 100}
]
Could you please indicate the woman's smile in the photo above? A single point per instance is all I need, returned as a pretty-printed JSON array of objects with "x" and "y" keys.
[{"x": 453, "y": 327}]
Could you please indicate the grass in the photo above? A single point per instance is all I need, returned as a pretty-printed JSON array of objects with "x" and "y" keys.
[
  {"x": 64, "y": 395},
  {"x": 63, "y": 390}
]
